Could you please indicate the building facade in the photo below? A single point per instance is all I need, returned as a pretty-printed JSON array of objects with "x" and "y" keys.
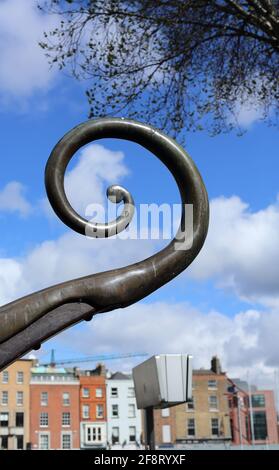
[
  {"x": 49, "y": 407},
  {"x": 54, "y": 413},
  {"x": 165, "y": 426},
  {"x": 15, "y": 405},
  {"x": 93, "y": 410},
  {"x": 206, "y": 417},
  {"x": 253, "y": 416},
  {"x": 124, "y": 419}
]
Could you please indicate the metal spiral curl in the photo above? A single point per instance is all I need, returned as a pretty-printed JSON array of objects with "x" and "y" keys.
[
  {"x": 54, "y": 182},
  {"x": 26, "y": 322}
]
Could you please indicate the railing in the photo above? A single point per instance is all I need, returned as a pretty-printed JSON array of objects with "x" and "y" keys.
[{"x": 27, "y": 322}]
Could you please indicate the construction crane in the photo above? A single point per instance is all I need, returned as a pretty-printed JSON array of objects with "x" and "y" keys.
[{"x": 100, "y": 357}]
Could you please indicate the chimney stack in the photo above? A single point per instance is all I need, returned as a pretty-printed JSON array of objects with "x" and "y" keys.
[{"x": 216, "y": 365}]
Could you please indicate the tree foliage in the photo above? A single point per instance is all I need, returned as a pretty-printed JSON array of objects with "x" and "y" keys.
[{"x": 173, "y": 63}]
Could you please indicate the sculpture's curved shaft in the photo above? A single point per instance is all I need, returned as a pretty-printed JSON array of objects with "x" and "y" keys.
[{"x": 124, "y": 286}]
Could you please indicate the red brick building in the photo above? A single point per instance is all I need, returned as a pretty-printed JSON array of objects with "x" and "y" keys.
[
  {"x": 93, "y": 411},
  {"x": 165, "y": 426},
  {"x": 54, "y": 411},
  {"x": 254, "y": 420}
]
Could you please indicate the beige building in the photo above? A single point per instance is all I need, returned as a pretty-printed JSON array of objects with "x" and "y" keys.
[
  {"x": 206, "y": 418},
  {"x": 15, "y": 405}
]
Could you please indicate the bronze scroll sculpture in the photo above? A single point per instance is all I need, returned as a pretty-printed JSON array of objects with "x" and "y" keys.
[{"x": 27, "y": 322}]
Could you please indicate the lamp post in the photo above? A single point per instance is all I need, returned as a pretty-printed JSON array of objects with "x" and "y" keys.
[
  {"x": 239, "y": 421},
  {"x": 251, "y": 411},
  {"x": 162, "y": 381},
  {"x": 149, "y": 428}
]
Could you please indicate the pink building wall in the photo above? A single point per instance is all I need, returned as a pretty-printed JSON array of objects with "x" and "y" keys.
[{"x": 241, "y": 422}]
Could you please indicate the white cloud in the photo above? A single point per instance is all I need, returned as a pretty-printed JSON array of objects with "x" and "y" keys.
[
  {"x": 248, "y": 114},
  {"x": 241, "y": 250},
  {"x": 85, "y": 184},
  {"x": 245, "y": 342},
  {"x": 248, "y": 108},
  {"x": 23, "y": 66},
  {"x": 97, "y": 166},
  {"x": 12, "y": 199},
  {"x": 71, "y": 255},
  {"x": 10, "y": 279},
  {"x": 239, "y": 254}
]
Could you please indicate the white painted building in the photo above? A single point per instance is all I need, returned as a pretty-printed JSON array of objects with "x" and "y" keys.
[{"x": 124, "y": 419}]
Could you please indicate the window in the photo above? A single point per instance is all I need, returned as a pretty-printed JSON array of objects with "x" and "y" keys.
[
  {"x": 191, "y": 428},
  {"x": 19, "y": 442},
  {"x": 246, "y": 401},
  {"x": 114, "y": 411},
  {"x": 44, "y": 399},
  {"x": 19, "y": 398},
  {"x": 66, "y": 418},
  {"x": 85, "y": 392},
  {"x": 66, "y": 441},
  {"x": 85, "y": 411},
  {"x": 258, "y": 401},
  {"x": 190, "y": 406},
  {"x": 215, "y": 427},
  {"x": 115, "y": 435},
  {"x": 260, "y": 425},
  {"x": 132, "y": 433},
  {"x": 5, "y": 398},
  {"x": 114, "y": 392},
  {"x": 131, "y": 411},
  {"x": 4, "y": 419},
  {"x": 93, "y": 434},
  {"x": 19, "y": 420},
  {"x": 166, "y": 434},
  {"x": 247, "y": 427},
  {"x": 213, "y": 402},
  {"x": 212, "y": 384},
  {"x": 66, "y": 399},
  {"x": 5, "y": 377},
  {"x": 19, "y": 377},
  {"x": 99, "y": 393},
  {"x": 43, "y": 420},
  {"x": 44, "y": 441},
  {"x": 99, "y": 411},
  {"x": 4, "y": 442},
  {"x": 165, "y": 412},
  {"x": 131, "y": 392}
]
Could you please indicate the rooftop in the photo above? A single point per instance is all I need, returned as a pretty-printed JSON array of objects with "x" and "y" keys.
[
  {"x": 206, "y": 372},
  {"x": 120, "y": 376},
  {"x": 48, "y": 370}
]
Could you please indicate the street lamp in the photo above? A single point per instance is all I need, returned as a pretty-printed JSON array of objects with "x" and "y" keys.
[{"x": 162, "y": 381}]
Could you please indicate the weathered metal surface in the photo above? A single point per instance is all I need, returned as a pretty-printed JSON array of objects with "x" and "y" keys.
[
  {"x": 120, "y": 287},
  {"x": 39, "y": 331}
]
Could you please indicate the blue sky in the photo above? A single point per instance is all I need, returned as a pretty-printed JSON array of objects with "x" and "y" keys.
[{"x": 227, "y": 303}]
